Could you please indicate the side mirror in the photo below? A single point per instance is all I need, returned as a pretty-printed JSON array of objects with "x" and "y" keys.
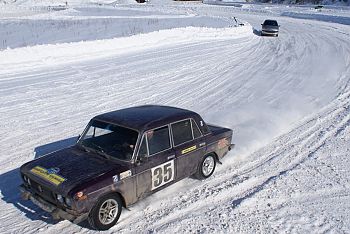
[
  {"x": 141, "y": 158},
  {"x": 78, "y": 137}
]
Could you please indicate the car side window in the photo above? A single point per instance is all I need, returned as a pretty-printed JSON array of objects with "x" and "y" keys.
[
  {"x": 182, "y": 132},
  {"x": 196, "y": 132},
  {"x": 143, "y": 147},
  {"x": 158, "y": 140}
]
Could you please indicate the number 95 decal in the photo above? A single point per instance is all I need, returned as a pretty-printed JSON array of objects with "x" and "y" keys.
[{"x": 162, "y": 174}]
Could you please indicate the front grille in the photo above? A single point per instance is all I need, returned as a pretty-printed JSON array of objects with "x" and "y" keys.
[
  {"x": 40, "y": 190},
  {"x": 43, "y": 192}
]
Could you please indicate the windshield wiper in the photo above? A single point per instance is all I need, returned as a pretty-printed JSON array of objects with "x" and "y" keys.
[
  {"x": 100, "y": 151},
  {"x": 105, "y": 155},
  {"x": 85, "y": 148}
]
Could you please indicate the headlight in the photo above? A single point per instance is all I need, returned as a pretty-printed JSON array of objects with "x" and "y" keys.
[
  {"x": 26, "y": 180},
  {"x": 59, "y": 198},
  {"x": 68, "y": 201}
]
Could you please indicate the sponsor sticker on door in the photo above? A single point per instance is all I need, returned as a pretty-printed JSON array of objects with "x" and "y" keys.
[{"x": 187, "y": 150}]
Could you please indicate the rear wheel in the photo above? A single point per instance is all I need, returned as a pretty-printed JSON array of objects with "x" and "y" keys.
[
  {"x": 206, "y": 167},
  {"x": 106, "y": 212}
]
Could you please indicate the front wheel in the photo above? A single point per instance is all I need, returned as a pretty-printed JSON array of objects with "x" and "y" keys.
[
  {"x": 106, "y": 212},
  {"x": 206, "y": 167}
]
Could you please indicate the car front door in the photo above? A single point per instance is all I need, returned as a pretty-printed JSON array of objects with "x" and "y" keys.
[{"x": 156, "y": 162}]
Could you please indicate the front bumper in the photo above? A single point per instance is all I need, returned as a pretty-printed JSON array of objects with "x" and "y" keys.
[
  {"x": 263, "y": 32},
  {"x": 55, "y": 212}
]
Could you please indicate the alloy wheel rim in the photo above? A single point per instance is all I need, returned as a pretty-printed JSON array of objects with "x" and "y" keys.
[
  {"x": 208, "y": 166},
  {"x": 108, "y": 211}
]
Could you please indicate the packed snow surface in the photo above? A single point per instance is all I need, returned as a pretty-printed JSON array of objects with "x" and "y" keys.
[{"x": 286, "y": 99}]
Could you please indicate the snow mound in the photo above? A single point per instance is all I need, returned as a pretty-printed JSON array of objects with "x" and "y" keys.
[{"x": 48, "y": 55}]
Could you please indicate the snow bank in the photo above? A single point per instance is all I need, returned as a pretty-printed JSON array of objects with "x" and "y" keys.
[
  {"x": 48, "y": 55},
  {"x": 94, "y": 23},
  {"x": 295, "y": 2},
  {"x": 321, "y": 17}
]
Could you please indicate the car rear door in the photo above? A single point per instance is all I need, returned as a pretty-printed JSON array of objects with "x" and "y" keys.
[
  {"x": 189, "y": 146},
  {"x": 156, "y": 168}
]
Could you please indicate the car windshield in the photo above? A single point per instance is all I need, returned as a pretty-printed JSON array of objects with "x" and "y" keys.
[
  {"x": 109, "y": 140},
  {"x": 271, "y": 22}
]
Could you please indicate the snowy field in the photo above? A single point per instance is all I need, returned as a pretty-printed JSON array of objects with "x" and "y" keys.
[{"x": 287, "y": 100}]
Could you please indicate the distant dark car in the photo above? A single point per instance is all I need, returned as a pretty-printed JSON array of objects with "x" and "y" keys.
[
  {"x": 120, "y": 158},
  {"x": 270, "y": 27}
]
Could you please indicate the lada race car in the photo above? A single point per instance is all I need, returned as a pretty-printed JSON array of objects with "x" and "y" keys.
[{"x": 120, "y": 158}]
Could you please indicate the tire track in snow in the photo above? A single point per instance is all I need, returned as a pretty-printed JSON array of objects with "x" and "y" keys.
[{"x": 248, "y": 180}]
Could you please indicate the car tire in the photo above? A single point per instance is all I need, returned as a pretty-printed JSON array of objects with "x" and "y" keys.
[
  {"x": 206, "y": 167},
  {"x": 101, "y": 216}
]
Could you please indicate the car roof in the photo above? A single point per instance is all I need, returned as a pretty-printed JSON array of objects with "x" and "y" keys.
[
  {"x": 270, "y": 21},
  {"x": 145, "y": 117}
]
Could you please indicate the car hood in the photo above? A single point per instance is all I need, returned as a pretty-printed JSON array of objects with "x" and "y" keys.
[{"x": 65, "y": 169}]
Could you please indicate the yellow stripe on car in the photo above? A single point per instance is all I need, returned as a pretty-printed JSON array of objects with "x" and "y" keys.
[
  {"x": 187, "y": 150},
  {"x": 43, "y": 173}
]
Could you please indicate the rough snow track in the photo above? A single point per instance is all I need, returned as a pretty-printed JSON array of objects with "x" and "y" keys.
[{"x": 227, "y": 191}]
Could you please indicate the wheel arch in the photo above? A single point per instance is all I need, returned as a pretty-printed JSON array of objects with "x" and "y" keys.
[
  {"x": 199, "y": 173},
  {"x": 93, "y": 217},
  {"x": 214, "y": 154},
  {"x": 117, "y": 193}
]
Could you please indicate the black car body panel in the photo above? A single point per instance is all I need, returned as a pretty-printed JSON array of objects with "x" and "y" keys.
[
  {"x": 146, "y": 117},
  {"x": 75, "y": 166},
  {"x": 170, "y": 144}
]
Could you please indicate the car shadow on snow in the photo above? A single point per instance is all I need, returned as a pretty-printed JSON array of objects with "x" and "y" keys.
[
  {"x": 54, "y": 146},
  {"x": 11, "y": 180}
]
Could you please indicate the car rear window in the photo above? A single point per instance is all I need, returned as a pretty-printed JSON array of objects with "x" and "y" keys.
[{"x": 182, "y": 132}]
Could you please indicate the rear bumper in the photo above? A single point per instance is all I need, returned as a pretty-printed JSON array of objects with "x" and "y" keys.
[
  {"x": 231, "y": 147},
  {"x": 55, "y": 211}
]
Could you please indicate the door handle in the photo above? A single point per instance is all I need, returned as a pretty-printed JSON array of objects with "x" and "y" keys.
[{"x": 171, "y": 157}]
